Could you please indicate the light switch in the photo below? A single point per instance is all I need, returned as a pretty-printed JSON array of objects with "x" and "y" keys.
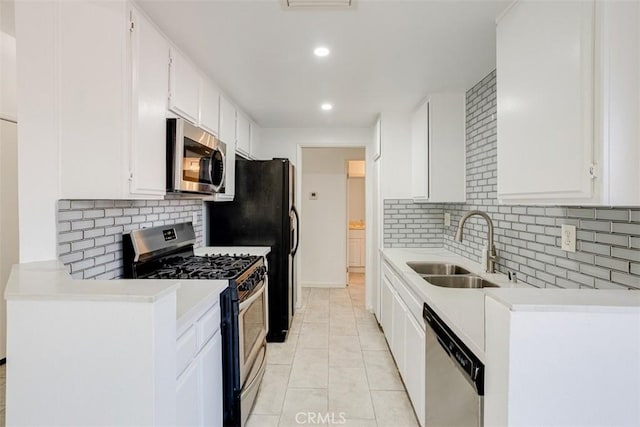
[
  {"x": 313, "y": 196},
  {"x": 447, "y": 219},
  {"x": 568, "y": 234}
]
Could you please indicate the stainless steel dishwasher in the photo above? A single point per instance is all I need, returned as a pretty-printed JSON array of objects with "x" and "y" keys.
[{"x": 454, "y": 378}]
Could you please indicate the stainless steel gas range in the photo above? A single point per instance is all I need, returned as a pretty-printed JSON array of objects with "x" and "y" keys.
[{"x": 167, "y": 253}]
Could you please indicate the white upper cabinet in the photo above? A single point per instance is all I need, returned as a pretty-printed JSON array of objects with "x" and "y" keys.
[
  {"x": 256, "y": 135},
  {"x": 184, "y": 87},
  {"x": 209, "y": 106},
  {"x": 438, "y": 149},
  {"x": 227, "y": 122},
  {"x": 228, "y": 136},
  {"x": 150, "y": 74},
  {"x": 243, "y": 135},
  {"x": 111, "y": 124},
  {"x": 568, "y": 96}
]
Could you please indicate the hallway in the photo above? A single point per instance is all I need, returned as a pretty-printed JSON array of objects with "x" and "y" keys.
[{"x": 335, "y": 366}]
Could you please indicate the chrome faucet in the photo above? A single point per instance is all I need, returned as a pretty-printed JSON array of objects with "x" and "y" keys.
[{"x": 490, "y": 254}]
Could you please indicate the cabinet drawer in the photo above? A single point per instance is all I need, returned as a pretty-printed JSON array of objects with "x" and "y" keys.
[
  {"x": 208, "y": 324},
  {"x": 187, "y": 347}
]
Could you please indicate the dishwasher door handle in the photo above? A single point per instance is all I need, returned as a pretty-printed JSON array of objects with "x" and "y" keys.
[{"x": 443, "y": 345}]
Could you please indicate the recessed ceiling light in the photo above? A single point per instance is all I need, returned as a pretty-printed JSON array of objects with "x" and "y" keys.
[
  {"x": 321, "y": 51},
  {"x": 326, "y": 106}
]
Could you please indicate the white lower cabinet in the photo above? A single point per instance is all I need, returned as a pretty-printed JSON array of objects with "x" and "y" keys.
[
  {"x": 188, "y": 398},
  {"x": 211, "y": 372},
  {"x": 386, "y": 307},
  {"x": 415, "y": 357},
  {"x": 405, "y": 335},
  {"x": 399, "y": 340},
  {"x": 199, "y": 385}
]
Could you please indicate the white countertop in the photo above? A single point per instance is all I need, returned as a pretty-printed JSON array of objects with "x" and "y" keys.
[
  {"x": 463, "y": 309},
  {"x": 49, "y": 280}
]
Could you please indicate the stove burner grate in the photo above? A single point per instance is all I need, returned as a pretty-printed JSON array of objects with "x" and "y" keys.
[{"x": 211, "y": 267}]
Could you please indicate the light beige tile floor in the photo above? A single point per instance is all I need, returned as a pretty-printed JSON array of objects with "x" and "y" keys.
[{"x": 334, "y": 369}]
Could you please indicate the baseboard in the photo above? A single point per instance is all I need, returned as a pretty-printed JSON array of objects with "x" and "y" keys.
[{"x": 323, "y": 285}]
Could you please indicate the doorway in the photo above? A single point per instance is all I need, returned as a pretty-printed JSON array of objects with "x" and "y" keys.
[
  {"x": 356, "y": 210},
  {"x": 324, "y": 222}
]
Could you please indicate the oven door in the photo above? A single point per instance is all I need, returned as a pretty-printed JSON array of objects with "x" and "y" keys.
[
  {"x": 199, "y": 160},
  {"x": 252, "y": 327}
]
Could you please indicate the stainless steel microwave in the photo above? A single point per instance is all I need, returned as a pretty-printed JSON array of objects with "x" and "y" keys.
[{"x": 195, "y": 159}]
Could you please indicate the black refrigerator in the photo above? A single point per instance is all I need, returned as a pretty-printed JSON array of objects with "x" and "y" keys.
[{"x": 263, "y": 213}]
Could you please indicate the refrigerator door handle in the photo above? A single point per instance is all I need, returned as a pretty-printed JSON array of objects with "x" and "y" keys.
[{"x": 295, "y": 213}]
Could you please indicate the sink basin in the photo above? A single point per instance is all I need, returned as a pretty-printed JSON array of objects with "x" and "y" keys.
[
  {"x": 461, "y": 282},
  {"x": 436, "y": 268}
]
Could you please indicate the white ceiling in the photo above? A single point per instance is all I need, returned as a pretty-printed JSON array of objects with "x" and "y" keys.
[{"x": 386, "y": 55}]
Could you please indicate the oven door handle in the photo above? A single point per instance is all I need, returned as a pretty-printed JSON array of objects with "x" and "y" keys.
[{"x": 256, "y": 294}]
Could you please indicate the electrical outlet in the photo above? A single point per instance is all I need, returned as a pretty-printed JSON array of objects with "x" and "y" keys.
[
  {"x": 447, "y": 219},
  {"x": 568, "y": 234},
  {"x": 194, "y": 218}
]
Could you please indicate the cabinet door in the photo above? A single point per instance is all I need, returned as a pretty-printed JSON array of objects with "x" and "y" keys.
[
  {"x": 91, "y": 43},
  {"x": 420, "y": 153},
  {"x": 377, "y": 139},
  {"x": 210, "y": 364},
  {"x": 386, "y": 306},
  {"x": 415, "y": 353},
  {"x": 150, "y": 79},
  {"x": 184, "y": 97},
  {"x": 243, "y": 134},
  {"x": 398, "y": 343},
  {"x": 545, "y": 101},
  {"x": 256, "y": 133},
  {"x": 354, "y": 252},
  {"x": 227, "y": 123},
  {"x": 209, "y": 107},
  {"x": 228, "y": 136},
  {"x": 189, "y": 397},
  {"x": 361, "y": 248}
]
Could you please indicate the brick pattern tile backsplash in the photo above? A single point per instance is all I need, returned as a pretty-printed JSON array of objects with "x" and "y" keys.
[
  {"x": 90, "y": 231},
  {"x": 527, "y": 238},
  {"x": 412, "y": 225}
]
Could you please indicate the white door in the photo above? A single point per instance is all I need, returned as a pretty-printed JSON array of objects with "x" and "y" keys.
[
  {"x": 545, "y": 100},
  {"x": 188, "y": 397},
  {"x": 210, "y": 361},
  {"x": 415, "y": 354},
  {"x": 184, "y": 98},
  {"x": 399, "y": 335},
  {"x": 150, "y": 77},
  {"x": 209, "y": 107},
  {"x": 9, "y": 253}
]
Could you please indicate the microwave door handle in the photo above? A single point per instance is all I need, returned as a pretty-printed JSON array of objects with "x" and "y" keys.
[{"x": 217, "y": 187}]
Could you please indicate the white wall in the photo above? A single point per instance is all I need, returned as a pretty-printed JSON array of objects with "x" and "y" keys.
[
  {"x": 396, "y": 154},
  {"x": 323, "y": 232},
  {"x": 8, "y": 159},
  {"x": 37, "y": 129},
  {"x": 287, "y": 142},
  {"x": 356, "y": 199},
  {"x": 283, "y": 142}
]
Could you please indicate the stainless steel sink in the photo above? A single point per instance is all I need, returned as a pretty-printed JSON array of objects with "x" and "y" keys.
[
  {"x": 461, "y": 282},
  {"x": 436, "y": 268}
]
